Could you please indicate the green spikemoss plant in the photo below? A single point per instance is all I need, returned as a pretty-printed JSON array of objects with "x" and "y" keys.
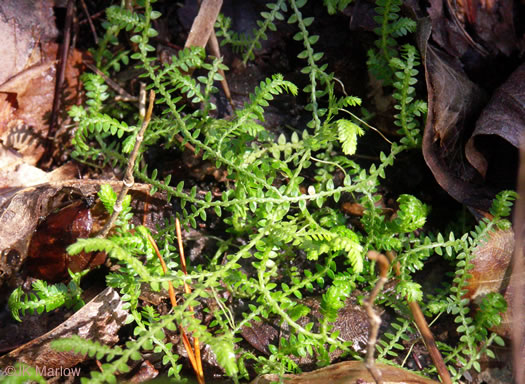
[{"x": 279, "y": 205}]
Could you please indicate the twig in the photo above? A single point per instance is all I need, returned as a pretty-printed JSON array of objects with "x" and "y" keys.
[
  {"x": 93, "y": 17},
  {"x": 373, "y": 317},
  {"x": 64, "y": 51},
  {"x": 425, "y": 332},
  {"x": 129, "y": 180},
  {"x": 187, "y": 145},
  {"x": 50, "y": 144},
  {"x": 91, "y": 25},
  {"x": 196, "y": 343},
  {"x": 124, "y": 95},
  {"x": 517, "y": 285}
]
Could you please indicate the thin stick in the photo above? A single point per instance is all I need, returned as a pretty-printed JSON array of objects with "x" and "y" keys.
[
  {"x": 50, "y": 144},
  {"x": 517, "y": 285},
  {"x": 425, "y": 332},
  {"x": 93, "y": 17},
  {"x": 91, "y": 25},
  {"x": 64, "y": 51},
  {"x": 186, "y": 144},
  {"x": 196, "y": 343},
  {"x": 129, "y": 180},
  {"x": 124, "y": 95},
  {"x": 173, "y": 300},
  {"x": 373, "y": 317}
]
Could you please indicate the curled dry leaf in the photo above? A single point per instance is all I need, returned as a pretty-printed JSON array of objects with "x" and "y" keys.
[
  {"x": 448, "y": 32},
  {"x": 504, "y": 118},
  {"x": 491, "y": 273},
  {"x": 454, "y": 102},
  {"x": 491, "y": 261},
  {"x": 493, "y": 25},
  {"x": 472, "y": 28},
  {"x": 471, "y": 167},
  {"x": 100, "y": 319},
  {"x": 348, "y": 372}
]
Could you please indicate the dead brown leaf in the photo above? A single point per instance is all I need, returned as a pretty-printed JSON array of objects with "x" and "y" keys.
[
  {"x": 448, "y": 33},
  {"x": 491, "y": 272},
  {"x": 24, "y": 24},
  {"x": 16, "y": 173},
  {"x": 453, "y": 104},
  {"x": 503, "y": 117},
  {"x": 47, "y": 255},
  {"x": 468, "y": 27},
  {"x": 348, "y": 372},
  {"x": 491, "y": 261},
  {"x": 26, "y": 100}
]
